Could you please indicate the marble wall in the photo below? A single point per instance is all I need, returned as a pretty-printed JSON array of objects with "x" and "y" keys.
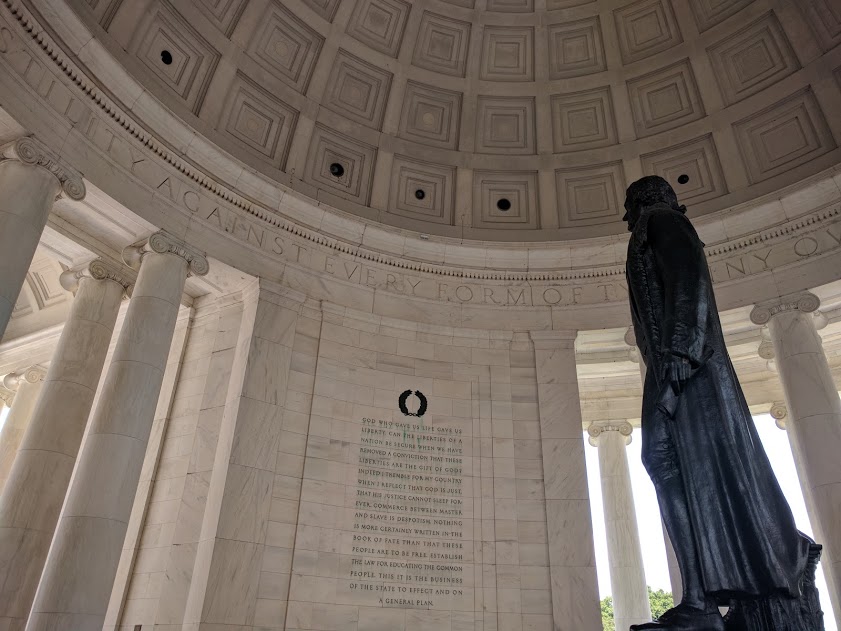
[{"x": 290, "y": 491}]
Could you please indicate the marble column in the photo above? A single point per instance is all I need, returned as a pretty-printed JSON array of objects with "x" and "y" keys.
[
  {"x": 572, "y": 559},
  {"x": 37, "y": 485},
  {"x": 671, "y": 558},
  {"x": 30, "y": 179},
  {"x": 813, "y": 422},
  {"x": 627, "y": 576},
  {"x": 83, "y": 558},
  {"x": 27, "y": 384}
]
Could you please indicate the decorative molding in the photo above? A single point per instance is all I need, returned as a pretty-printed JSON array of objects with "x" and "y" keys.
[
  {"x": 98, "y": 269},
  {"x": 357, "y": 90},
  {"x": 7, "y": 397},
  {"x": 665, "y": 99},
  {"x": 380, "y": 24},
  {"x": 442, "y": 44},
  {"x": 709, "y": 13},
  {"x": 779, "y": 412},
  {"x": 430, "y": 116},
  {"x": 33, "y": 374},
  {"x": 576, "y": 48},
  {"x": 164, "y": 243},
  {"x": 507, "y": 54},
  {"x": 506, "y": 125},
  {"x": 597, "y": 428},
  {"x": 805, "y": 301},
  {"x": 583, "y": 120},
  {"x": 645, "y": 28},
  {"x": 696, "y": 158},
  {"x": 30, "y": 151},
  {"x": 518, "y": 187}
]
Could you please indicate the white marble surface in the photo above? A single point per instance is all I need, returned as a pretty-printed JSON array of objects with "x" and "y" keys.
[
  {"x": 26, "y": 197},
  {"x": 27, "y": 385},
  {"x": 34, "y": 494},
  {"x": 627, "y": 575},
  {"x": 80, "y": 569}
]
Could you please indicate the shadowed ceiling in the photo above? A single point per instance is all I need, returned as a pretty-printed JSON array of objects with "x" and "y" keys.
[{"x": 504, "y": 120}]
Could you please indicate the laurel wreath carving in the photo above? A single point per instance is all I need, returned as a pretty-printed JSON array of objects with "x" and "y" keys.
[{"x": 405, "y": 396}]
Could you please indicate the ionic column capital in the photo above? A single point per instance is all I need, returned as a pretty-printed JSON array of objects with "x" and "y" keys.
[
  {"x": 597, "y": 428},
  {"x": 804, "y": 301},
  {"x": 33, "y": 374},
  {"x": 7, "y": 397},
  {"x": 30, "y": 151},
  {"x": 165, "y": 243},
  {"x": 97, "y": 269},
  {"x": 779, "y": 412},
  {"x": 550, "y": 340}
]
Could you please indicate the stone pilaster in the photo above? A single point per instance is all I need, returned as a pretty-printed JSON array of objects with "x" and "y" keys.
[
  {"x": 627, "y": 576},
  {"x": 83, "y": 559},
  {"x": 813, "y": 422},
  {"x": 572, "y": 562},
  {"x": 31, "y": 177}
]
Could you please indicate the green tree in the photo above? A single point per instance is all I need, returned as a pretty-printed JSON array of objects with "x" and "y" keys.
[
  {"x": 660, "y": 600},
  {"x": 607, "y": 614}
]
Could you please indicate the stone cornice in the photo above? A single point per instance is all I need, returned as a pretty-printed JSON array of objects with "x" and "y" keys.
[
  {"x": 98, "y": 269},
  {"x": 30, "y": 151},
  {"x": 597, "y": 428},
  {"x": 805, "y": 301}
]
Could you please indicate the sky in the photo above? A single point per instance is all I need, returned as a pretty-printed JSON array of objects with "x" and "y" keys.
[{"x": 776, "y": 445}]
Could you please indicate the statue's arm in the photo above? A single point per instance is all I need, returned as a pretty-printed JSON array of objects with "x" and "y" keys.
[{"x": 681, "y": 265}]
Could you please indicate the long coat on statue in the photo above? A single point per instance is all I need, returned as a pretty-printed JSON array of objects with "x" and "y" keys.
[{"x": 743, "y": 527}]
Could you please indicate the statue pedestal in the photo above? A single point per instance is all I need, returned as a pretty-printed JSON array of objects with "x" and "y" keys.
[{"x": 782, "y": 614}]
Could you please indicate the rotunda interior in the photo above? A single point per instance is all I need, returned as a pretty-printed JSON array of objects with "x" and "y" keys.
[{"x": 311, "y": 309}]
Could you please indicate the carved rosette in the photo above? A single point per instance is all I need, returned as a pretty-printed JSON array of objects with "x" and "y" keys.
[
  {"x": 163, "y": 243},
  {"x": 779, "y": 412},
  {"x": 30, "y": 151},
  {"x": 806, "y": 302},
  {"x": 597, "y": 428},
  {"x": 33, "y": 374},
  {"x": 97, "y": 269}
]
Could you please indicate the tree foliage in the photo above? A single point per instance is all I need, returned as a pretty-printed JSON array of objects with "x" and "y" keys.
[{"x": 660, "y": 600}]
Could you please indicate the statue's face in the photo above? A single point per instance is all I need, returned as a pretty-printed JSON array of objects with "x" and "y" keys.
[{"x": 632, "y": 215}]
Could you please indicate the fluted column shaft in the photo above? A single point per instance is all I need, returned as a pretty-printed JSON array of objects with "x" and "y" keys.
[
  {"x": 28, "y": 384},
  {"x": 30, "y": 180},
  {"x": 30, "y": 505},
  {"x": 82, "y": 561},
  {"x": 627, "y": 575},
  {"x": 813, "y": 422}
]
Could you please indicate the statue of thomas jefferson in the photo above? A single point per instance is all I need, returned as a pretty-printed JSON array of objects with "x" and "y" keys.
[{"x": 732, "y": 530}]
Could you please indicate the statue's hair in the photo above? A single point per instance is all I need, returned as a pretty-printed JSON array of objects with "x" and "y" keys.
[{"x": 650, "y": 190}]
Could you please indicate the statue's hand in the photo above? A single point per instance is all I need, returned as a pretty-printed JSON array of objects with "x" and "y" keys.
[{"x": 676, "y": 371}]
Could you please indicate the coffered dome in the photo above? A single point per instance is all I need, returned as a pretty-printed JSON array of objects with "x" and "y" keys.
[{"x": 503, "y": 120}]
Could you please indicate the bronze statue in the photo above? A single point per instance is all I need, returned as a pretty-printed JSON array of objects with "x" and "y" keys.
[{"x": 732, "y": 530}]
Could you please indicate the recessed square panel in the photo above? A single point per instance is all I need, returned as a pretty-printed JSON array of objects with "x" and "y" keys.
[
  {"x": 824, "y": 17},
  {"x": 665, "y": 99},
  {"x": 645, "y": 28},
  {"x": 430, "y": 116},
  {"x": 421, "y": 190},
  {"x": 709, "y": 13},
  {"x": 286, "y": 47},
  {"x": 355, "y": 158},
  {"x": 507, "y": 53},
  {"x": 442, "y": 44},
  {"x": 753, "y": 59},
  {"x": 784, "y": 136},
  {"x": 590, "y": 196},
  {"x": 576, "y": 48},
  {"x": 505, "y": 200},
  {"x": 583, "y": 120},
  {"x": 357, "y": 90},
  {"x": 380, "y": 24},
  {"x": 505, "y": 125},
  {"x": 223, "y": 13}
]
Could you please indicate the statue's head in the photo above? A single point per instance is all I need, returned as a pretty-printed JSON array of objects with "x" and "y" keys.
[{"x": 647, "y": 191}]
